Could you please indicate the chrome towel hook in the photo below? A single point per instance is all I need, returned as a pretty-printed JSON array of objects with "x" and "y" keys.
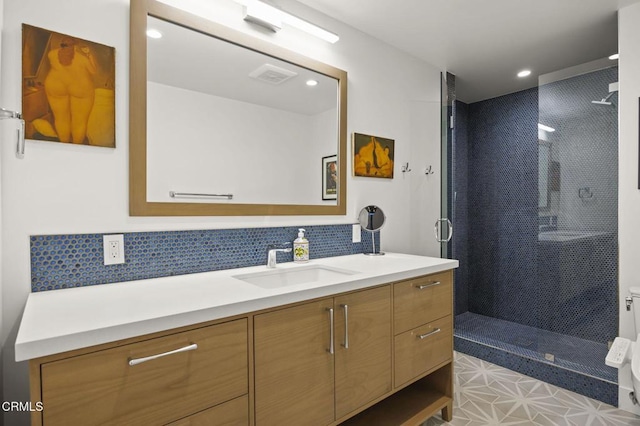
[{"x": 8, "y": 114}]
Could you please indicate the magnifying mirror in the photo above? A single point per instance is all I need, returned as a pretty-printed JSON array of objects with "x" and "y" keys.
[{"x": 371, "y": 219}]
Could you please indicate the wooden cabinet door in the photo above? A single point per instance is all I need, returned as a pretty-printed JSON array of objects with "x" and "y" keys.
[
  {"x": 363, "y": 369},
  {"x": 293, "y": 366}
]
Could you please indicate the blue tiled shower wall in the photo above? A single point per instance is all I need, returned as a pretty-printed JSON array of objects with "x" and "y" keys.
[
  {"x": 509, "y": 273},
  {"x": 76, "y": 260},
  {"x": 540, "y": 306}
]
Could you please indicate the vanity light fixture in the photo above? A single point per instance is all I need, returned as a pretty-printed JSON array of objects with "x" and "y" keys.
[
  {"x": 524, "y": 73},
  {"x": 273, "y": 18},
  {"x": 614, "y": 56},
  {"x": 312, "y": 83},
  {"x": 546, "y": 128},
  {"x": 263, "y": 15},
  {"x": 153, "y": 33}
]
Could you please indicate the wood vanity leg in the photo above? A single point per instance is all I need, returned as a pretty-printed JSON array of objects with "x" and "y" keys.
[{"x": 447, "y": 412}]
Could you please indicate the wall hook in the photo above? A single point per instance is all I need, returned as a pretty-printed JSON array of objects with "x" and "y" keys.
[
  {"x": 8, "y": 114},
  {"x": 405, "y": 168},
  {"x": 428, "y": 171}
]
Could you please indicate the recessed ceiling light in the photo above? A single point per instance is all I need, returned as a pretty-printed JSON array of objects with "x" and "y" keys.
[
  {"x": 524, "y": 73},
  {"x": 312, "y": 83},
  {"x": 151, "y": 33},
  {"x": 614, "y": 56}
]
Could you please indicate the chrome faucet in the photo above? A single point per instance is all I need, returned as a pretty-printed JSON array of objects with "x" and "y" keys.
[{"x": 272, "y": 249}]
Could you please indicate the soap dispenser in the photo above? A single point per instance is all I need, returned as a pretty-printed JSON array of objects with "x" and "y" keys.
[{"x": 301, "y": 248}]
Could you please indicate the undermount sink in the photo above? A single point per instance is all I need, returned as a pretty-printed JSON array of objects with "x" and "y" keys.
[{"x": 293, "y": 276}]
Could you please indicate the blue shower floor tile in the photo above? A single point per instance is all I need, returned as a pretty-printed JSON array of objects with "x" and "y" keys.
[{"x": 571, "y": 353}]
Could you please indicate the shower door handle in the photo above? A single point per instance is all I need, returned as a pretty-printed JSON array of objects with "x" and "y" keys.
[{"x": 436, "y": 230}]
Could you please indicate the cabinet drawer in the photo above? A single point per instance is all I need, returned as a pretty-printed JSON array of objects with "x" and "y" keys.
[
  {"x": 421, "y": 300},
  {"x": 423, "y": 348},
  {"x": 232, "y": 413},
  {"x": 101, "y": 388}
]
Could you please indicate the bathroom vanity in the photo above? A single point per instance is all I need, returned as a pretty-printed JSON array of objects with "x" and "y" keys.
[{"x": 345, "y": 340}]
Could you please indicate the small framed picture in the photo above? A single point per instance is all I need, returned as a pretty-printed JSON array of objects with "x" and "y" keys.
[
  {"x": 330, "y": 177},
  {"x": 373, "y": 156}
]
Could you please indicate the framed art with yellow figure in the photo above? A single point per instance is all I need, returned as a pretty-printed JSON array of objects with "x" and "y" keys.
[
  {"x": 330, "y": 177},
  {"x": 68, "y": 88},
  {"x": 373, "y": 156}
]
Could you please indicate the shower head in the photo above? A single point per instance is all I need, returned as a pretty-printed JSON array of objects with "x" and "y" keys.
[{"x": 605, "y": 100}]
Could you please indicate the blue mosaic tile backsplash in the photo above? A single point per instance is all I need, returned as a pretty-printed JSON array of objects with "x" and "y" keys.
[{"x": 65, "y": 261}]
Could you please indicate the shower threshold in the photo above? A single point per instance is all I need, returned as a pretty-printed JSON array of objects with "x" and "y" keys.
[{"x": 566, "y": 361}]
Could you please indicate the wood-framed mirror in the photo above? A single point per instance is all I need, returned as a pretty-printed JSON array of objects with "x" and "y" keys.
[{"x": 212, "y": 134}]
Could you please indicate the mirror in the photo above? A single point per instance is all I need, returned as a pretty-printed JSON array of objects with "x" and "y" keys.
[
  {"x": 222, "y": 123},
  {"x": 371, "y": 219}
]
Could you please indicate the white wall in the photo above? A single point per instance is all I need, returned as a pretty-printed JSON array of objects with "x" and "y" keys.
[
  {"x": 1, "y": 287},
  {"x": 60, "y": 188},
  {"x": 275, "y": 163},
  {"x": 629, "y": 195}
]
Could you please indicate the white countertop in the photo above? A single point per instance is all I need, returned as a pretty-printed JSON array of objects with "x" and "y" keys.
[{"x": 62, "y": 320}]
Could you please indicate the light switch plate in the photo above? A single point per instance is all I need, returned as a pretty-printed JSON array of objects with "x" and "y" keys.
[{"x": 356, "y": 233}]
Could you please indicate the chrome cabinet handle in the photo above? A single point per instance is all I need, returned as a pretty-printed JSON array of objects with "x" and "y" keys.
[
  {"x": 431, "y": 333},
  {"x": 449, "y": 231},
  {"x": 346, "y": 326},
  {"x": 137, "y": 361},
  {"x": 423, "y": 286},
  {"x": 331, "y": 349}
]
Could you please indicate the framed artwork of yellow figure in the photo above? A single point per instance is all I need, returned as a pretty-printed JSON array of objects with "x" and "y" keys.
[
  {"x": 373, "y": 156},
  {"x": 68, "y": 88}
]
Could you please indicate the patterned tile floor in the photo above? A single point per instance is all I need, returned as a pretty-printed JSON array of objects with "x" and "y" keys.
[{"x": 486, "y": 394}]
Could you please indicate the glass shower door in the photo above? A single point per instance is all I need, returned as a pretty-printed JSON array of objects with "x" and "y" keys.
[{"x": 444, "y": 224}]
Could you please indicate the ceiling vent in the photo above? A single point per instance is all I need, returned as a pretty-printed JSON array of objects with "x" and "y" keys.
[{"x": 272, "y": 74}]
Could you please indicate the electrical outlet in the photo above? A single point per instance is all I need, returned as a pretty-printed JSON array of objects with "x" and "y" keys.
[
  {"x": 356, "y": 233},
  {"x": 113, "y": 246}
]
